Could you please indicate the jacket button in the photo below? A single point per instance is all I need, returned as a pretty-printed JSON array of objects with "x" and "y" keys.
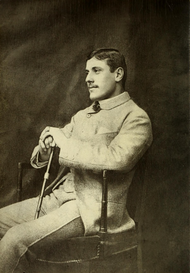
[{"x": 88, "y": 115}]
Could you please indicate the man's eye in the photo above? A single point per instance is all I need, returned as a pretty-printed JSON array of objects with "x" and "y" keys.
[{"x": 96, "y": 70}]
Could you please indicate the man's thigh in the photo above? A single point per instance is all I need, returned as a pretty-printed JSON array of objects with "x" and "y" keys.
[
  {"x": 53, "y": 246},
  {"x": 16, "y": 214},
  {"x": 46, "y": 235},
  {"x": 45, "y": 254},
  {"x": 34, "y": 238},
  {"x": 24, "y": 211},
  {"x": 39, "y": 229}
]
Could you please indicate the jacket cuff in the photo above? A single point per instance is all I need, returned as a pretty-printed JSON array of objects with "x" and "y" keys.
[{"x": 34, "y": 160}]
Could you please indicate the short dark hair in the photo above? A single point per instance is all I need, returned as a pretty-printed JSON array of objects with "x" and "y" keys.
[{"x": 114, "y": 59}]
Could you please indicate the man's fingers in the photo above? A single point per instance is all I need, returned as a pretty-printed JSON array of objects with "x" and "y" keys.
[
  {"x": 53, "y": 144},
  {"x": 44, "y": 136},
  {"x": 48, "y": 140},
  {"x": 42, "y": 145},
  {"x": 45, "y": 133}
]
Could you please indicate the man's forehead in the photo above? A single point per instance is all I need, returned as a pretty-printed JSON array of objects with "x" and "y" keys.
[{"x": 93, "y": 62}]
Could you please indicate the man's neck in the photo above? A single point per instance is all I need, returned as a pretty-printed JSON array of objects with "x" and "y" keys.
[{"x": 118, "y": 90}]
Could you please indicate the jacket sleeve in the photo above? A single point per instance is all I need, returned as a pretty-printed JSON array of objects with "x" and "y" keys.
[
  {"x": 34, "y": 160},
  {"x": 122, "y": 154}
]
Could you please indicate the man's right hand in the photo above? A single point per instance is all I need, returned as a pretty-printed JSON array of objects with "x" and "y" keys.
[{"x": 45, "y": 145}]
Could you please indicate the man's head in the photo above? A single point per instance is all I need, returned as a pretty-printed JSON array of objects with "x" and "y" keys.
[{"x": 106, "y": 73}]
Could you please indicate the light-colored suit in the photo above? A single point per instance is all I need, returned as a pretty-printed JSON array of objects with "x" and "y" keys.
[{"x": 115, "y": 138}]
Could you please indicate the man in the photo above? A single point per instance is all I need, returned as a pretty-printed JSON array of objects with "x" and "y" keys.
[{"x": 112, "y": 134}]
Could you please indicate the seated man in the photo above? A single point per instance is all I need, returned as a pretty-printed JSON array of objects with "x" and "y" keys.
[{"x": 113, "y": 134}]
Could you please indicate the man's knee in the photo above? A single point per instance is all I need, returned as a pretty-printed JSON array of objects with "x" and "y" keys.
[
  {"x": 13, "y": 249},
  {"x": 15, "y": 239}
]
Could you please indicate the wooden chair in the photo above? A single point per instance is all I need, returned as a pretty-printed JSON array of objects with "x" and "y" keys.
[{"x": 101, "y": 253}]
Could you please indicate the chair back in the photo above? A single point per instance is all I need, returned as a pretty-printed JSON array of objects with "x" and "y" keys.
[{"x": 136, "y": 189}]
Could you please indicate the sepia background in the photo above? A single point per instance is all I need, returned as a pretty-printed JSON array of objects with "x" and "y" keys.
[{"x": 43, "y": 48}]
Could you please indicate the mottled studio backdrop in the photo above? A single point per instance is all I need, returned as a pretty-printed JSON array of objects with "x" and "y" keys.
[{"x": 43, "y": 46}]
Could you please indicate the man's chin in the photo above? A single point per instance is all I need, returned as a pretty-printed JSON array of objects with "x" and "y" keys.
[{"x": 93, "y": 97}]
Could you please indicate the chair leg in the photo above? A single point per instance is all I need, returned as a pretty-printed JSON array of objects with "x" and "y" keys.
[{"x": 139, "y": 259}]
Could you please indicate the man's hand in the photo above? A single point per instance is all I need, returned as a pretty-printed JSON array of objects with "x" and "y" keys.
[
  {"x": 50, "y": 137},
  {"x": 45, "y": 143}
]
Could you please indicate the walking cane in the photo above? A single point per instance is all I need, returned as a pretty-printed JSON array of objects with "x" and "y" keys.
[{"x": 46, "y": 177}]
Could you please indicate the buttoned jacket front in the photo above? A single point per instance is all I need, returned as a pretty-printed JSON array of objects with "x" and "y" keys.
[{"x": 115, "y": 138}]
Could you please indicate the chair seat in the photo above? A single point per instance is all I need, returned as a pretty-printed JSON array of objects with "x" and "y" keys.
[
  {"x": 81, "y": 254},
  {"x": 85, "y": 248}
]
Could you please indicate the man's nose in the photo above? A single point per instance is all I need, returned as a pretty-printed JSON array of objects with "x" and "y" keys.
[{"x": 89, "y": 78}]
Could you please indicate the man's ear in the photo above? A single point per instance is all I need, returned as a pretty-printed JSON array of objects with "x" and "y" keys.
[{"x": 119, "y": 73}]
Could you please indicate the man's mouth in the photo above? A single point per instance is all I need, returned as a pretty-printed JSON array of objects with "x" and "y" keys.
[{"x": 92, "y": 86}]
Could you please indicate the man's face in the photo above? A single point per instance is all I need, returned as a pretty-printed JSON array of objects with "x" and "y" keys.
[{"x": 100, "y": 81}]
